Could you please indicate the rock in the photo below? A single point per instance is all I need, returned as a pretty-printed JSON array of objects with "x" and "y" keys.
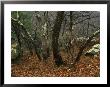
[
  {"x": 93, "y": 51},
  {"x": 14, "y": 51}
]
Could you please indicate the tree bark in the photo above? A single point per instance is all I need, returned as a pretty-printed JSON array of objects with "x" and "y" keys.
[{"x": 55, "y": 37}]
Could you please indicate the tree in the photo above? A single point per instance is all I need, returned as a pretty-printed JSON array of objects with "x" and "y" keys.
[
  {"x": 19, "y": 28},
  {"x": 55, "y": 37},
  {"x": 36, "y": 31},
  {"x": 85, "y": 45}
]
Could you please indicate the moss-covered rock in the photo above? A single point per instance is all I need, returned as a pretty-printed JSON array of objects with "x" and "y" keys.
[
  {"x": 94, "y": 50},
  {"x": 15, "y": 51}
]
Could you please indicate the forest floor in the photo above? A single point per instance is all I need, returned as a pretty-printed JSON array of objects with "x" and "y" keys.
[{"x": 30, "y": 66}]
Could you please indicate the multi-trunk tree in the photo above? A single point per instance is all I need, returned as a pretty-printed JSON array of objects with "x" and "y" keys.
[{"x": 49, "y": 32}]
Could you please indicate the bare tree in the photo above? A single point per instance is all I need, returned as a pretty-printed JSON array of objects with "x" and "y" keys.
[{"x": 55, "y": 37}]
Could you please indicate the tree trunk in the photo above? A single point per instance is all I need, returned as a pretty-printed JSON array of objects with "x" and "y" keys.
[
  {"x": 70, "y": 45},
  {"x": 85, "y": 45},
  {"x": 18, "y": 27},
  {"x": 71, "y": 22},
  {"x": 55, "y": 36}
]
